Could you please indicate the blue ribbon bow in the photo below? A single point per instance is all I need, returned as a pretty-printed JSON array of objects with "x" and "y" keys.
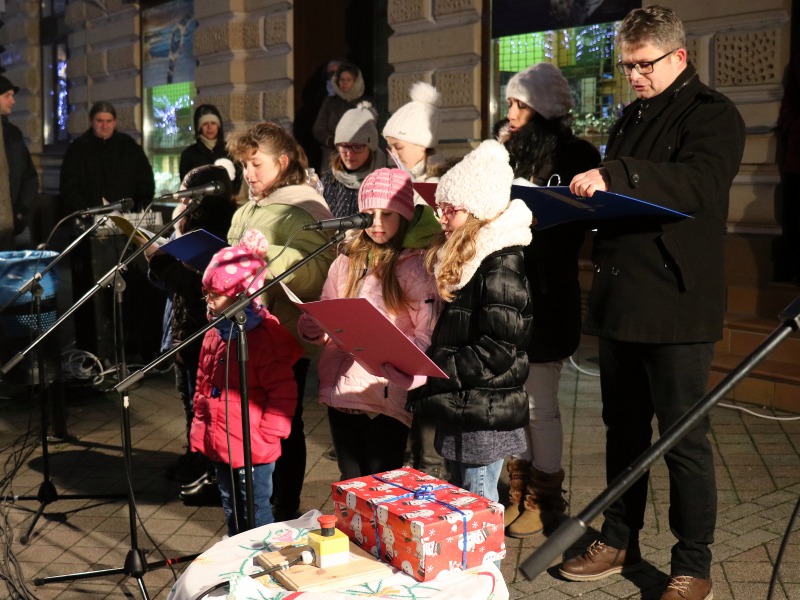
[{"x": 424, "y": 492}]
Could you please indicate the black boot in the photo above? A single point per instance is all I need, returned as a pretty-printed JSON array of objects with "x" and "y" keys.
[{"x": 205, "y": 493}]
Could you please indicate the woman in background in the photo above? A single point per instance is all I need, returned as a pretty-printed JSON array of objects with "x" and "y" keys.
[
  {"x": 348, "y": 87},
  {"x": 356, "y": 157}
]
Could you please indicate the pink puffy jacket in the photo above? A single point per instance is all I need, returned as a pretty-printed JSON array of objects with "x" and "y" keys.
[{"x": 343, "y": 383}]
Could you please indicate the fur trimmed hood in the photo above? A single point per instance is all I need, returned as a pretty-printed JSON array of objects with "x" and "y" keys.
[
  {"x": 511, "y": 228},
  {"x": 354, "y": 93}
]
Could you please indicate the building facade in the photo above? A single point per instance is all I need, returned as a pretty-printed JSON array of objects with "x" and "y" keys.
[{"x": 255, "y": 59}]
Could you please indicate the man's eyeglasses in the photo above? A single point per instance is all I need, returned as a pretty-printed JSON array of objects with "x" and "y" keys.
[
  {"x": 447, "y": 211},
  {"x": 354, "y": 148},
  {"x": 643, "y": 68}
]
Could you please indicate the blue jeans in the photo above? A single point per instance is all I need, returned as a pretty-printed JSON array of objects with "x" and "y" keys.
[
  {"x": 478, "y": 479},
  {"x": 262, "y": 492}
]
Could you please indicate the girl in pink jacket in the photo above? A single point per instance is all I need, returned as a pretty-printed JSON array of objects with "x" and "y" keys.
[
  {"x": 384, "y": 264},
  {"x": 216, "y": 429}
]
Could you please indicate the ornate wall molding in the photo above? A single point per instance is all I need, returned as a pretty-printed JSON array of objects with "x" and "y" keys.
[
  {"x": 449, "y": 7},
  {"x": 458, "y": 86},
  {"x": 399, "y": 84},
  {"x": 216, "y": 38},
  {"x": 747, "y": 58},
  {"x": 409, "y": 11}
]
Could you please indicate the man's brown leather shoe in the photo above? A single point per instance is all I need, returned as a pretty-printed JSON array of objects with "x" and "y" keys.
[
  {"x": 600, "y": 561},
  {"x": 684, "y": 587}
]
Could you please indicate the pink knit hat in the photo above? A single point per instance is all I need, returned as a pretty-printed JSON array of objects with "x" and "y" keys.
[
  {"x": 233, "y": 270},
  {"x": 389, "y": 189}
]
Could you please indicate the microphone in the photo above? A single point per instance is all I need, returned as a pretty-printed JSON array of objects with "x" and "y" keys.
[
  {"x": 359, "y": 221},
  {"x": 213, "y": 188},
  {"x": 123, "y": 205}
]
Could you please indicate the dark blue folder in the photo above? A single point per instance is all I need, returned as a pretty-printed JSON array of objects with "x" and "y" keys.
[
  {"x": 195, "y": 248},
  {"x": 555, "y": 205}
]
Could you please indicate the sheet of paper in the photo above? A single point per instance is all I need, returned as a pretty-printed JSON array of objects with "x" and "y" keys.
[
  {"x": 140, "y": 234},
  {"x": 195, "y": 248},
  {"x": 359, "y": 328},
  {"x": 555, "y": 205}
]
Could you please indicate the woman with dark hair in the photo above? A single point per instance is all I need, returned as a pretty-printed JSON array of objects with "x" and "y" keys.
[
  {"x": 544, "y": 151},
  {"x": 348, "y": 85}
]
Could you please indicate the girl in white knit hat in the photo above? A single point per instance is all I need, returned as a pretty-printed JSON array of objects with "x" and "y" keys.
[
  {"x": 483, "y": 330},
  {"x": 412, "y": 132}
]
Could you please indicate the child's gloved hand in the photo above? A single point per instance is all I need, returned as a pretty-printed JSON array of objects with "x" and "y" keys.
[
  {"x": 400, "y": 379},
  {"x": 309, "y": 329}
]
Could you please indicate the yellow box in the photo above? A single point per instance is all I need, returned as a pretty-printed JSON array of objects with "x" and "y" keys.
[{"x": 330, "y": 550}]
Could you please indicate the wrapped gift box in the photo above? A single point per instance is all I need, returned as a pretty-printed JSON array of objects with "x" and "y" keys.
[{"x": 419, "y": 524}]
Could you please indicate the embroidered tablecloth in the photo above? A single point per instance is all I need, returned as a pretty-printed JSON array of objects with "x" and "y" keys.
[{"x": 232, "y": 560}]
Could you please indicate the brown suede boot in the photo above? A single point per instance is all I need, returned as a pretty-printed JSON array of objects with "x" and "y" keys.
[
  {"x": 549, "y": 492},
  {"x": 542, "y": 503},
  {"x": 517, "y": 480}
]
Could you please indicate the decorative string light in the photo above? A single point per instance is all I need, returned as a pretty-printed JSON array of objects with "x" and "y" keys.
[{"x": 165, "y": 113}]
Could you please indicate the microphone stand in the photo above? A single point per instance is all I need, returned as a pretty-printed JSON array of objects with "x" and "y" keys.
[
  {"x": 135, "y": 565},
  {"x": 243, "y": 355},
  {"x": 236, "y": 311},
  {"x": 104, "y": 281},
  {"x": 572, "y": 529},
  {"x": 47, "y": 493}
]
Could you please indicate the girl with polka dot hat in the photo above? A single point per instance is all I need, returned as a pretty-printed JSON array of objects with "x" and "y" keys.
[{"x": 271, "y": 389}]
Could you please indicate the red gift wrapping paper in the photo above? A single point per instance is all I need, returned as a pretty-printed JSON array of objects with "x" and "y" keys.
[{"x": 419, "y": 524}]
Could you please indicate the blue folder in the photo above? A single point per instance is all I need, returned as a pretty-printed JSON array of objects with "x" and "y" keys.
[
  {"x": 195, "y": 248},
  {"x": 555, "y": 205}
]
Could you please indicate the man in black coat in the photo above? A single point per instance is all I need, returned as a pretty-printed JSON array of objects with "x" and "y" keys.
[
  {"x": 105, "y": 163},
  {"x": 657, "y": 299},
  {"x": 22, "y": 178}
]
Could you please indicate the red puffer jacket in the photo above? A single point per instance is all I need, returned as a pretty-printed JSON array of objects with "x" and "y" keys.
[{"x": 272, "y": 394}]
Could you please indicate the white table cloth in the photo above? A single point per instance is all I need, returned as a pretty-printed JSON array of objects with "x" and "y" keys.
[{"x": 232, "y": 560}]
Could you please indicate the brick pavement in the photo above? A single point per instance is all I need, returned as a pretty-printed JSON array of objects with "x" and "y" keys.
[{"x": 758, "y": 469}]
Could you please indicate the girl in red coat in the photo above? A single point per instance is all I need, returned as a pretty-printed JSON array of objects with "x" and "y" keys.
[{"x": 271, "y": 389}]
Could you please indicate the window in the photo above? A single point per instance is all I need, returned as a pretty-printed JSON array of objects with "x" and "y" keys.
[
  {"x": 55, "y": 92},
  {"x": 586, "y": 57},
  {"x": 169, "y": 89}
]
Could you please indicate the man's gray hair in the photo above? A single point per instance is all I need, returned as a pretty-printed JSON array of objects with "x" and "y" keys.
[{"x": 656, "y": 25}]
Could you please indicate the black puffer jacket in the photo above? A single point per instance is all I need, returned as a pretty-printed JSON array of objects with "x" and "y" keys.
[{"x": 480, "y": 339}]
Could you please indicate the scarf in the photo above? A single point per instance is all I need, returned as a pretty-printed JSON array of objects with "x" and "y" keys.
[
  {"x": 227, "y": 329},
  {"x": 207, "y": 142},
  {"x": 353, "y": 179}
]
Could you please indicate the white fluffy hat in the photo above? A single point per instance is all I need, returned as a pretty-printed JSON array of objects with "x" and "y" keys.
[
  {"x": 417, "y": 122},
  {"x": 357, "y": 126},
  {"x": 480, "y": 183},
  {"x": 543, "y": 88}
]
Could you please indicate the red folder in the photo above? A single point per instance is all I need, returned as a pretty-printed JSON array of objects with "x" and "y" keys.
[
  {"x": 427, "y": 191},
  {"x": 360, "y": 329}
]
